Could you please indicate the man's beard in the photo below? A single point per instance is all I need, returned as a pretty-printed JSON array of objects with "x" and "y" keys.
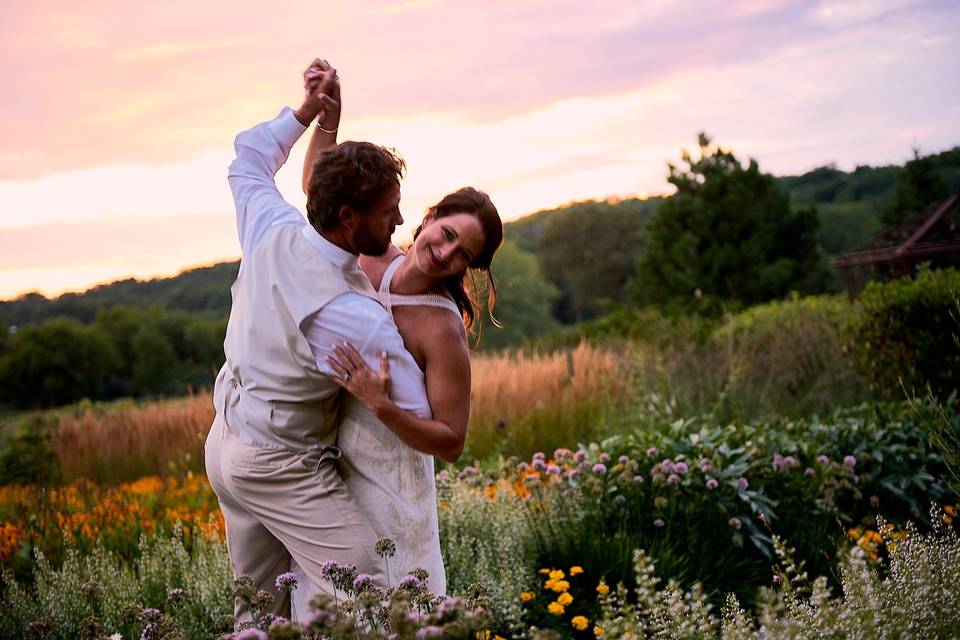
[{"x": 367, "y": 244}]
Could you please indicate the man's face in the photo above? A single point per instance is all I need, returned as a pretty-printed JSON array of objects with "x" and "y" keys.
[{"x": 372, "y": 236}]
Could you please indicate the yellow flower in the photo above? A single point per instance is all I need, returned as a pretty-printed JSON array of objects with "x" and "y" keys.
[
  {"x": 603, "y": 589},
  {"x": 482, "y": 635},
  {"x": 575, "y": 571},
  {"x": 527, "y": 596},
  {"x": 565, "y": 599},
  {"x": 557, "y": 574},
  {"x": 950, "y": 510},
  {"x": 543, "y": 571},
  {"x": 555, "y": 608},
  {"x": 598, "y": 631},
  {"x": 579, "y": 623},
  {"x": 549, "y": 584},
  {"x": 558, "y": 585}
]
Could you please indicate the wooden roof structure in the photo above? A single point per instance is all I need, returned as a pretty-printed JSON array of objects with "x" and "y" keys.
[{"x": 932, "y": 234}]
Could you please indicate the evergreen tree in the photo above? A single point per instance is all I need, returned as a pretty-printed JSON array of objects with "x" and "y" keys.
[
  {"x": 727, "y": 236},
  {"x": 919, "y": 184}
]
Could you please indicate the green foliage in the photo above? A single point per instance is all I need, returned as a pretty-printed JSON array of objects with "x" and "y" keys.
[
  {"x": 844, "y": 225},
  {"x": 728, "y": 236},
  {"x": 589, "y": 251},
  {"x": 905, "y": 333},
  {"x": 875, "y": 601},
  {"x": 25, "y": 452},
  {"x": 524, "y": 299},
  {"x": 919, "y": 184},
  {"x": 58, "y": 362},
  {"x": 125, "y": 351},
  {"x": 790, "y": 356},
  {"x": 704, "y": 500},
  {"x": 102, "y": 584},
  {"x": 485, "y": 541}
]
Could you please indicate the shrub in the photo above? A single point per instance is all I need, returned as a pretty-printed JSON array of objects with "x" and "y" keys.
[
  {"x": 915, "y": 596},
  {"x": 789, "y": 356},
  {"x": 906, "y": 333},
  {"x": 484, "y": 539}
]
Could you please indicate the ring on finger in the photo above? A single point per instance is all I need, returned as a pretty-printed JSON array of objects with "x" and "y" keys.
[{"x": 346, "y": 377}]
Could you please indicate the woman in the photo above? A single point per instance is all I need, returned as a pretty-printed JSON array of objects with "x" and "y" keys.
[{"x": 388, "y": 459}]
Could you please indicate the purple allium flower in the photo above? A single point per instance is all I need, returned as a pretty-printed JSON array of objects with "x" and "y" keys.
[
  {"x": 599, "y": 469},
  {"x": 287, "y": 581},
  {"x": 735, "y": 523},
  {"x": 659, "y": 522},
  {"x": 574, "y": 474},
  {"x": 411, "y": 583},
  {"x": 789, "y": 462},
  {"x": 705, "y": 465},
  {"x": 427, "y": 633},
  {"x": 712, "y": 483},
  {"x": 681, "y": 468},
  {"x": 539, "y": 455},
  {"x": 467, "y": 472},
  {"x": 849, "y": 461},
  {"x": 637, "y": 479},
  {"x": 673, "y": 478},
  {"x": 822, "y": 459},
  {"x": 742, "y": 483},
  {"x": 652, "y": 451},
  {"x": 620, "y": 499},
  {"x": 561, "y": 453},
  {"x": 364, "y": 582},
  {"x": 523, "y": 467},
  {"x": 809, "y": 472},
  {"x": 553, "y": 470},
  {"x": 150, "y": 615},
  {"x": 604, "y": 457},
  {"x": 270, "y": 619},
  {"x": 250, "y": 634},
  {"x": 580, "y": 455},
  {"x": 667, "y": 465},
  {"x": 777, "y": 461},
  {"x": 328, "y": 568},
  {"x": 539, "y": 465},
  {"x": 623, "y": 459}
]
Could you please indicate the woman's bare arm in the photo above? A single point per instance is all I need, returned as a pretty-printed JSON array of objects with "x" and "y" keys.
[
  {"x": 325, "y": 137},
  {"x": 448, "y": 390}
]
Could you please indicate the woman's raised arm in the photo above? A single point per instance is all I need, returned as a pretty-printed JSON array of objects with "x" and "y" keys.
[{"x": 325, "y": 133}]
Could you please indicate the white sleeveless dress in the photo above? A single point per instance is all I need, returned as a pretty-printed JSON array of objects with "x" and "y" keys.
[{"x": 393, "y": 483}]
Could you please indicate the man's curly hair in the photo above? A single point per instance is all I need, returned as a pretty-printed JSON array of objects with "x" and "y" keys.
[{"x": 356, "y": 174}]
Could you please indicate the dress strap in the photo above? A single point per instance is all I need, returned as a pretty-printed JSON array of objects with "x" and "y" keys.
[{"x": 390, "y": 300}]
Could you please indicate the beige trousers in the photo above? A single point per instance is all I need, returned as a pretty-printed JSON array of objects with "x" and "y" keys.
[{"x": 286, "y": 509}]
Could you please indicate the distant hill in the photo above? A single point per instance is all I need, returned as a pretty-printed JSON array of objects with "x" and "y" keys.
[{"x": 848, "y": 204}]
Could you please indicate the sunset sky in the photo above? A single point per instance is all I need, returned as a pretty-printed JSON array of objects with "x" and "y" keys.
[{"x": 117, "y": 118}]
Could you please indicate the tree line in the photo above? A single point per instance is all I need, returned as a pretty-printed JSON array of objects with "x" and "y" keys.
[{"x": 729, "y": 237}]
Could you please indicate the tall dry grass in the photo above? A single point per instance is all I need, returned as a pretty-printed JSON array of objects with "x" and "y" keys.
[
  {"x": 131, "y": 441},
  {"x": 521, "y": 403},
  {"x": 527, "y": 402}
]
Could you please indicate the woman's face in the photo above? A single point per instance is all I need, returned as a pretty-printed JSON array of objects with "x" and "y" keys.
[{"x": 446, "y": 246}]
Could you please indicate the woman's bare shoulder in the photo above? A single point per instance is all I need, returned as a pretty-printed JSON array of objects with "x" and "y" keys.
[{"x": 374, "y": 266}]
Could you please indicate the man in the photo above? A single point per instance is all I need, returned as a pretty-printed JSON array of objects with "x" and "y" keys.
[{"x": 271, "y": 452}]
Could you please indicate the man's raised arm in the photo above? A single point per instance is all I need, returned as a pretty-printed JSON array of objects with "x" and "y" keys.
[{"x": 260, "y": 152}]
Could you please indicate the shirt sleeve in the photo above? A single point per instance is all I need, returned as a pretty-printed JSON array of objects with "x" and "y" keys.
[
  {"x": 364, "y": 323},
  {"x": 260, "y": 152}
]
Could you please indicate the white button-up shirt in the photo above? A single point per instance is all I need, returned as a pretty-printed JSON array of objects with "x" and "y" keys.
[{"x": 351, "y": 317}]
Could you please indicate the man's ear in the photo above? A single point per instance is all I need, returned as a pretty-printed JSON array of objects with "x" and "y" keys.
[{"x": 348, "y": 217}]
